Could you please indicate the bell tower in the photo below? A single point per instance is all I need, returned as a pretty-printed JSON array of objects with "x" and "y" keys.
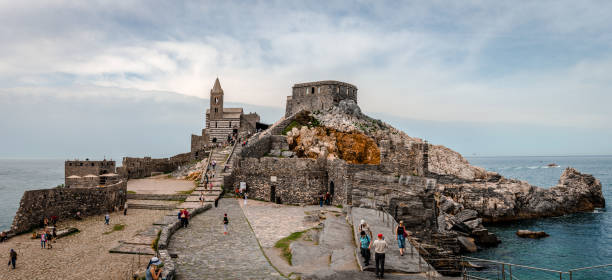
[{"x": 216, "y": 101}]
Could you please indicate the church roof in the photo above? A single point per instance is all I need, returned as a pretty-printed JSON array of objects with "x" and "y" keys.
[{"x": 217, "y": 86}]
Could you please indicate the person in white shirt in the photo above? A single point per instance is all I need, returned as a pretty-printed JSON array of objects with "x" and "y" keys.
[{"x": 380, "y": 248}]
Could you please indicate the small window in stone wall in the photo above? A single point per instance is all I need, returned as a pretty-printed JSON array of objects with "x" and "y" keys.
[
  {"x": 92, "y": 164},
  {"x": 70, "y": 164},
  {"x": 81, "y": 164},
  {"x": 319, "y": 89},
  {"x": 313, "y": 91}
]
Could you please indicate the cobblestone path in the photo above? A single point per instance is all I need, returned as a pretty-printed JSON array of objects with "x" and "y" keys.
[{"x": 204, "y": 252}]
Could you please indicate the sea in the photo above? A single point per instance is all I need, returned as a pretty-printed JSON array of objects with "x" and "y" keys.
[{"x": 575, "y": 241}]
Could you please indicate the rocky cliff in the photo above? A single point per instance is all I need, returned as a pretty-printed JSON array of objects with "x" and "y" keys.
[
  {"x": 492, "y": 196},
  {"x": 507, "y": 199}
]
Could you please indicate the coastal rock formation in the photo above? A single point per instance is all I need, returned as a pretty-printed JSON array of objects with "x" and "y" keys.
[
  {"x": 507, "y": 199},
  {"x": 531, "y": 234}
]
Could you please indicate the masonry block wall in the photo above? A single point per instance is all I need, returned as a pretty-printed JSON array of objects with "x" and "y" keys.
[
  {"x": 133, "y": 168},
  {"x": 320, "y": 96},
  {"x": 298, "y": 180},
  {"x": 64, "y": 203}
]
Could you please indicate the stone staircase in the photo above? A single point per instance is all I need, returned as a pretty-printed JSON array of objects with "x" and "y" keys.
[{"x": 141, "y": 243}]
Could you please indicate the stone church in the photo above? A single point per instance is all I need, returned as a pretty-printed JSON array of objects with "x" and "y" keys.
[{"x": 222, "y": 122}]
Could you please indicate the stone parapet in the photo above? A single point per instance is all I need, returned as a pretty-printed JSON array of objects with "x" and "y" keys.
[{"x": 66, "y": 202}]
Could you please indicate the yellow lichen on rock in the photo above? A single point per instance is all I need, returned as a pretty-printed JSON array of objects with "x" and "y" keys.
[{"x": 324, "y": 142}]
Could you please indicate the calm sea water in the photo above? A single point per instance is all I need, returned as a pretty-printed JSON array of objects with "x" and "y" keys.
[
  {"x": 17, "y": 176},
  {"x": 578, "y": 240}
]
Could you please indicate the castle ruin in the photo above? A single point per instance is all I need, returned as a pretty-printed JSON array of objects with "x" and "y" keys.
[{"x": 319, "y": 96}]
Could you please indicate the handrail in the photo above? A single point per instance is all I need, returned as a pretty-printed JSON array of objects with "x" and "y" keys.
[
  {"x": 590, "y": 267},
  {"x": 517, "y": 265}
]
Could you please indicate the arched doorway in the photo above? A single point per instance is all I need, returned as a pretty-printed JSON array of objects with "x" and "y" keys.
[{"x": 331, "y": 191}]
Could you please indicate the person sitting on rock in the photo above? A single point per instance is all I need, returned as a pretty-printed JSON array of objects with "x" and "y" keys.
[
  {"x": 3, "y": 236},
  {"x": 153, "y": 271}
]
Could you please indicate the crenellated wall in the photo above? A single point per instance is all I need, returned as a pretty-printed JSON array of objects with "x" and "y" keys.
[{"x": 65, "y": 203}]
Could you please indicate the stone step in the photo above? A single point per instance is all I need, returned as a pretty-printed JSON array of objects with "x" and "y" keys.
[
  {"x": 150, "y": 206},
  {"x": 209, "y": 198},
  {"x": 166, "y": 220},
  {"x": 135, "y": 249}
]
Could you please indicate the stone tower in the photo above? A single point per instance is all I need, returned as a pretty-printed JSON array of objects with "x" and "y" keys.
[{"x": 216, "y": 101}]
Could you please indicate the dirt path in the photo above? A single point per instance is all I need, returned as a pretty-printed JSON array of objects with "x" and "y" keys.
[{"x": 83, "y": 255}]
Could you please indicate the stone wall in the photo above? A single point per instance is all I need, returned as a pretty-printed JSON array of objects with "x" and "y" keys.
[
  {"x": 133, "y": 168},
  {"x": 257, "y": 147},
  {"x": 87, "y": 167},
  {"x": 297, "y": 180},
  {"x": 64, "y": 203},
  {"x": 318, "y": 96}
]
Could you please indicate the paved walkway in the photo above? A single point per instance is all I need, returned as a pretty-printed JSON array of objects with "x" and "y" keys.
[
  {"x": 204, "y": 252},
  {"x": 393, "y": 261}
]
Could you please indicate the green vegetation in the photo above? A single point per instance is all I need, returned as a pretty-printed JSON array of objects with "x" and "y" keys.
[
  {"x": 60, "y": 186},
  {"x": 302, "y": 119},
  {"x": 291, "y": 126},
  {"x": 131, "y": 192},
  {"x": 156, "y": 241},
  {"x": 116, "y": 227},
  {"x": 339, "y": 206},
  {"x": 284, "y": 243}
]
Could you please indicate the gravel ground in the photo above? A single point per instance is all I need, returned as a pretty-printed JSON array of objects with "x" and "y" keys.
[{"x": 83, "y": 255}]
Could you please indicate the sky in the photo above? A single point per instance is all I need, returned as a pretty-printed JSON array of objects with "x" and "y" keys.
[{"x": 114, "y": 78}]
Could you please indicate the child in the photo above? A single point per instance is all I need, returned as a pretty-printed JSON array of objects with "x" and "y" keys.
[{"x": 107, "y": 218}]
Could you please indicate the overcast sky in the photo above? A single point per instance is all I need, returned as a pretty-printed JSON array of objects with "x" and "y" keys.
[{"x": 443, "y": 70}]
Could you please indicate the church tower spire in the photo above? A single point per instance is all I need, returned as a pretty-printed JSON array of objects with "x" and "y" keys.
[{"x": 216, "y": 101}]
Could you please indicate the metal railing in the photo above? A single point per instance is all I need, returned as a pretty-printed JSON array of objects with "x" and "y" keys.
[{"x": 482, "y": 269}]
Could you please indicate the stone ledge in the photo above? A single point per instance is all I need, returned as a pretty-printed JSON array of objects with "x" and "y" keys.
[{"x": 164, "y": 238}]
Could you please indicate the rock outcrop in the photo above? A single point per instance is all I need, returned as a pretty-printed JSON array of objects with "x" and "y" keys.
[
  {"x": 508, "y": 200},
  {"x": 324, "y": 142},
  {"x": 531, "y": 234}
]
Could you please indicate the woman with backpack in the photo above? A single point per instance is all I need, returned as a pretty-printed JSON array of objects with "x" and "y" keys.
[
  {"x": 364, "y": 241},
  {"x": 400, "y": 236}
]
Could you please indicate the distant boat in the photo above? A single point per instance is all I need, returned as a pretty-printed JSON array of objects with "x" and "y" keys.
[{"x": 552, "y": 165}]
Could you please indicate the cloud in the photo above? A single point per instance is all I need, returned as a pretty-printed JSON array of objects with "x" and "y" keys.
[{"x": 545, "y": 62}]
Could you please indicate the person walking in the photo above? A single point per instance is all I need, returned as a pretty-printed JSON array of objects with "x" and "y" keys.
[
  {"x": 327, "y": 196},
  {"x": 107, "y": 219},
  {"x": 400, "y": 236},
  {"x": 363, "y": 226},
  {"x": 364, "y": 240},
  {"x": 201, "y": 198},
  {"x": 380, "y": 248},
  {"x": 184, "y": 216},
  {"x": 245, "y": 198},
  {"x": 12, "y": 258},
  {"x": 321, "y": 200},
  {"x": 153, "y": 271},
  {"x": 125, "y": 207},
  {"x": 43, "y": 240},
  {"x": 49, "y": 239},
  {"x": 216, "y": 202},
  {"x": 225, "y": 223}
]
